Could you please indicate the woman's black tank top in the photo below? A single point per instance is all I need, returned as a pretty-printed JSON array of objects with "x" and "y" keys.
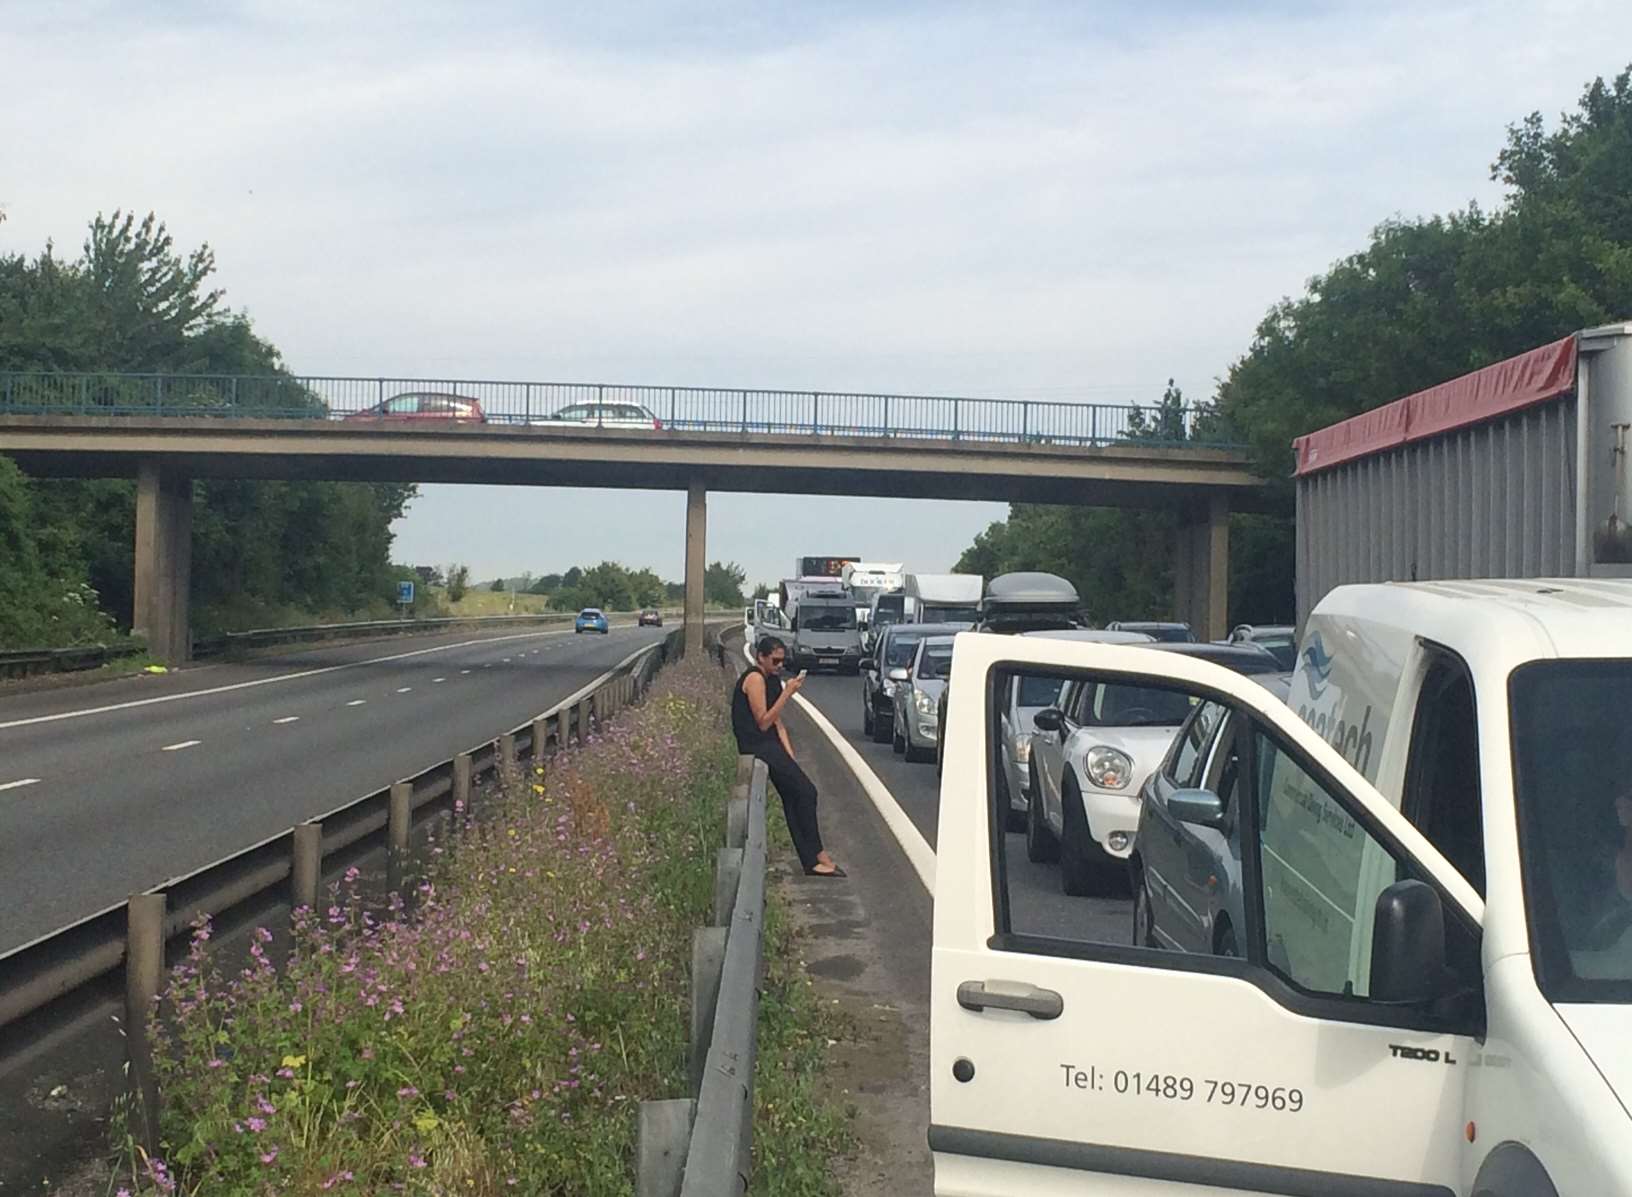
[{"x": 750, "y": 740}]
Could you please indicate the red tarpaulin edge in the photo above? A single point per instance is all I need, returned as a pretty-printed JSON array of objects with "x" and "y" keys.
[{"x": 1534, "y": 377}]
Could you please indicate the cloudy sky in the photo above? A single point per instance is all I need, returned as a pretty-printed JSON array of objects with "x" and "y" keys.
[{"x": 1066, "y": 201}]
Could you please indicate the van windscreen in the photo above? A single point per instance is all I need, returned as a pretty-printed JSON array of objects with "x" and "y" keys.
[{"x": 1572, "y": 766}]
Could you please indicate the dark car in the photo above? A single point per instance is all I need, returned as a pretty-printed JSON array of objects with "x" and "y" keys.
[
  {"x": 1162, "y": 632},
  {"x": 651, "y": 617},
  {"x": 1278, "y": 638},
  {"x": 892, "y": 653},
  {"x": 424, "y": 405}
]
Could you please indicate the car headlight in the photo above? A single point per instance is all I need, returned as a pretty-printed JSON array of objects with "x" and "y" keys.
[
  {"x": 1108, "y": 768},
  {"x": 924, "y": 702},
  {"x": 1022, "y": 750}
]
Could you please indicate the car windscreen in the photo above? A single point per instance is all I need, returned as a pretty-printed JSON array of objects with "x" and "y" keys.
[
  {"x": 1036, "y": 691},
  {"x": 1169, "y": 634},
  {"x": 1135, "y": 706},
  {"x": 1282, "y": 648},
  {"x": 898, "y": 653},
  {"x": 1572, "y": 766},
  {"x": 936, "y": 662},
  {"x": 837, "y": 618}
]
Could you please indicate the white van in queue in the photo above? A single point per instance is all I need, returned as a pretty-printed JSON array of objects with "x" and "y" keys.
[{"x": 1434, "y": 997}]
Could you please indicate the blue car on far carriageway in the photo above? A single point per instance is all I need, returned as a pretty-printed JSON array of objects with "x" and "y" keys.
[{"x": 591, "y": 619}]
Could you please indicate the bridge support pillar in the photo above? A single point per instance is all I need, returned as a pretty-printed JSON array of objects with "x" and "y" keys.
[
  {"x": 1201, "y": 568},
  {"x": 164, "y": 561},
  {"x": 696, "y": 565}
]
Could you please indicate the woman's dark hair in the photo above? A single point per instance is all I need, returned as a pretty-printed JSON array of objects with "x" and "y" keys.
[{"x": 766, "y": 645}]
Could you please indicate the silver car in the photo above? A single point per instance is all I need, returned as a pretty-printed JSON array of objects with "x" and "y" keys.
[{"x": 917, "y": 699}]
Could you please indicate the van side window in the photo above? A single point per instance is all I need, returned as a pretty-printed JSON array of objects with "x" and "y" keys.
[
  {"x": 1320, "y": 874},
  {"x": 1441, "y": 792}
]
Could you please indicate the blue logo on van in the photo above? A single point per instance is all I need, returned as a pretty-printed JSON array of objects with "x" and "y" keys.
[{"x": 1319, "y": 664}]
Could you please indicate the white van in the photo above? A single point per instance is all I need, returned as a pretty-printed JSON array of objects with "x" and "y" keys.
[{"x": 1434, "y": 995}]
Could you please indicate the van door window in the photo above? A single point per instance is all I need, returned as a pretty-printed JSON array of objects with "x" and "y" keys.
[{"x": 1441, "y": 794}]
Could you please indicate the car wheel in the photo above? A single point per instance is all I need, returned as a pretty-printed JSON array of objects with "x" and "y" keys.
[
  {"x": 1224, "y": 943},
  {"x": 916, "y": 754},
  {"x": 897, "y": 741},
  {"x": 881, "y": 730},
  {"x": 1082, "y": 873},
  {"x": 1144, "y": 915},
  {"x": 1041, "y": 846}
]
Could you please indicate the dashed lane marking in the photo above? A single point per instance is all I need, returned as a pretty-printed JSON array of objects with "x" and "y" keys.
[
  {"x": 357, "y": 702},
  {"x": 181, "y": 745},
  {"x": 288, "y": 719},
  {"x": 20, "y": 783},
  {"x": 404, "y": 689}
]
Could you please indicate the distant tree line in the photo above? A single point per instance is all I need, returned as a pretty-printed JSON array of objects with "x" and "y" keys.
[
  {"x": 1426, "y": 300},
  {"x": 263, "y": 552},
  {"x": 609, "y": 585}
]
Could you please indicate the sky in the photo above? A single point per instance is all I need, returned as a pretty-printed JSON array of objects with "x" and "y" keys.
[{"x": 1028, "y": 200}]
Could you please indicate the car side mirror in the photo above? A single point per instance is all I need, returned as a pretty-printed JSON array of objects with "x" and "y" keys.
[
  {"x": 1408, "y": 946},
  {"x": 898, "y": 675},
  {"x": 1049, "y": 719},
  {"x": 1201, "y": 807}
]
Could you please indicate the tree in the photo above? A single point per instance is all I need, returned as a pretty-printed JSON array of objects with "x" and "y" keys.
[
  {"x": 458, "y": 582},
  {"x": 761, "y": 591},
  {"x": 722, "y": 584},
  {"x": 498, "y": 586}
]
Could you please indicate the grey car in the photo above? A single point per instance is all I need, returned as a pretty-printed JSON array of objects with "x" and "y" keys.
[
  {"x": 1188, "y": 890},
  {"x": 917, "y": 699},
  {"x": 893, "y": 649}
]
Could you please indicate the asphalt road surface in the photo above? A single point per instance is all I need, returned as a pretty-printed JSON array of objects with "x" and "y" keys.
[
  {"x": 1038, "y": 906},
  {"x": 109, "y": 789}
]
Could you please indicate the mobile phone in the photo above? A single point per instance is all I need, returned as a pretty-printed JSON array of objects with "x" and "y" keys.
[{"x": 803, "y": 673}]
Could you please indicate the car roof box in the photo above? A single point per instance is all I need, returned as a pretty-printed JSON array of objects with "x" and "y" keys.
[{"x": 1032, "y": 591}]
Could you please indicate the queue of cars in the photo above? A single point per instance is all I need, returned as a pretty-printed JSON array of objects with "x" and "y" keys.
[{"x": 416, "y": 406}]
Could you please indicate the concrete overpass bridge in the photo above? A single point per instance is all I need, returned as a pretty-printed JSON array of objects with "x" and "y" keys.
[{"x": 166, "y": 431}]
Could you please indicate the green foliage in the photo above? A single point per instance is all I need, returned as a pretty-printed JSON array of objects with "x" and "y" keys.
[
  {"x": 498, "y": 586},
  {"x": 761, "y": 591},
  {"x": 458, "y": 582},
  {"x": 610, "y": 586},
  {"x": 262, "y": 551},
  {"x": 547, "y": 584},
  {"x": 722, "y": 584}
]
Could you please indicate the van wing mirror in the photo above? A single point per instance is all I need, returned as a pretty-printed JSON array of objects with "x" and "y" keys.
[
  {"x": 898, "y": 675},
  {"x": 1201, "y": 807},
  {"x": 1408, "y": 946}
]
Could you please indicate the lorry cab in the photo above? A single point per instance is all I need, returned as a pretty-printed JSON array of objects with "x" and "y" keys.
[{"x": 1432, "y": 974}]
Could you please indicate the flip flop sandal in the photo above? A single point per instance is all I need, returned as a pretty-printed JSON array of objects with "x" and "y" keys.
[{"x": 837, "y": 872}]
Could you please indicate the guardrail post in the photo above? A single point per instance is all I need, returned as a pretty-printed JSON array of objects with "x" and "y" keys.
[
  {"x": 541, "y": 739},
  {"x": 727, "y": 872},
  {"x": 398, "y": 819},
  {"x": 745, "y": 771},
  {"x": 461, "y": 787},
  {"x": 507, "y": 753},
  {"x": 662, "y": 1137},
  {"x": 736, "y": 818},
  {"x": 144, "y": 968},
  {"x": 563, "y": 727},
  {"x": 707, "y": 959},
  {"x": 305, "y": 866},
  {"x": 585, "y": 711}
]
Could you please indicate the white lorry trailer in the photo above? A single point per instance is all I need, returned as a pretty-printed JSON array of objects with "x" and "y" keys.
[{"x": 943, "y": 598}]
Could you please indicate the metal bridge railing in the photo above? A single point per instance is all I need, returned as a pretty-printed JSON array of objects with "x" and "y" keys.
[{"x": 602, "y": 405}]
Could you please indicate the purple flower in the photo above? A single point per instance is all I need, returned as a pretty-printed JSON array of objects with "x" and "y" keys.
[{"x": 255, "y": 1124}]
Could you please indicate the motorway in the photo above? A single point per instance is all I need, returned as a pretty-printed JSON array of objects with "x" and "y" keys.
[
  {"x": 1037, "y": 904},
  {"x": 109, "y": 789}
]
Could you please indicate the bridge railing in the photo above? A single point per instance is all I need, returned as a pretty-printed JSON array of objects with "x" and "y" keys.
[{"x": 617, "y": 407}]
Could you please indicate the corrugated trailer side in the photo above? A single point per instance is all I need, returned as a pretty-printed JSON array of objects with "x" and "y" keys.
[{"x": 1478, "y": 477}]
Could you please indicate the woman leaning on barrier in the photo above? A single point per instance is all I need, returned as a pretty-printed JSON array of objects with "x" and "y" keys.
[{"x": 756, "y": 718}]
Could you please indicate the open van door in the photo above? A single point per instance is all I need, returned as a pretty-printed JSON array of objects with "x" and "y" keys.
[{"x": 1329, "y": 1056}]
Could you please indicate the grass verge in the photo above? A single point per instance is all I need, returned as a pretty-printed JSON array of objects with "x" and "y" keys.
[{"x": 499, "y": 1037}]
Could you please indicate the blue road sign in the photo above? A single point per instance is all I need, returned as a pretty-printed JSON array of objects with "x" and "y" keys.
[{"x": 405, "y": 593}]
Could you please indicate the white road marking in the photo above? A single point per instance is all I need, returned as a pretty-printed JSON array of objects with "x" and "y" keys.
[
  {"x": 180, "y": 746},
  {"x": 17, "y": 785},
  {"x": 403, "y": 689},
  {"x": 462, "y": 672},
  {"x": 265, "y": 681},
  {"x": 288, "y": 719},
  {"x": 507, "y": 660},
  {"x": 357, "y": 702},
  {"x": 439, "y": 679}
]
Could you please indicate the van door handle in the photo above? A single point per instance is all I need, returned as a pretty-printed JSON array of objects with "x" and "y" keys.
[{"x": 1040, "y": 1003}]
